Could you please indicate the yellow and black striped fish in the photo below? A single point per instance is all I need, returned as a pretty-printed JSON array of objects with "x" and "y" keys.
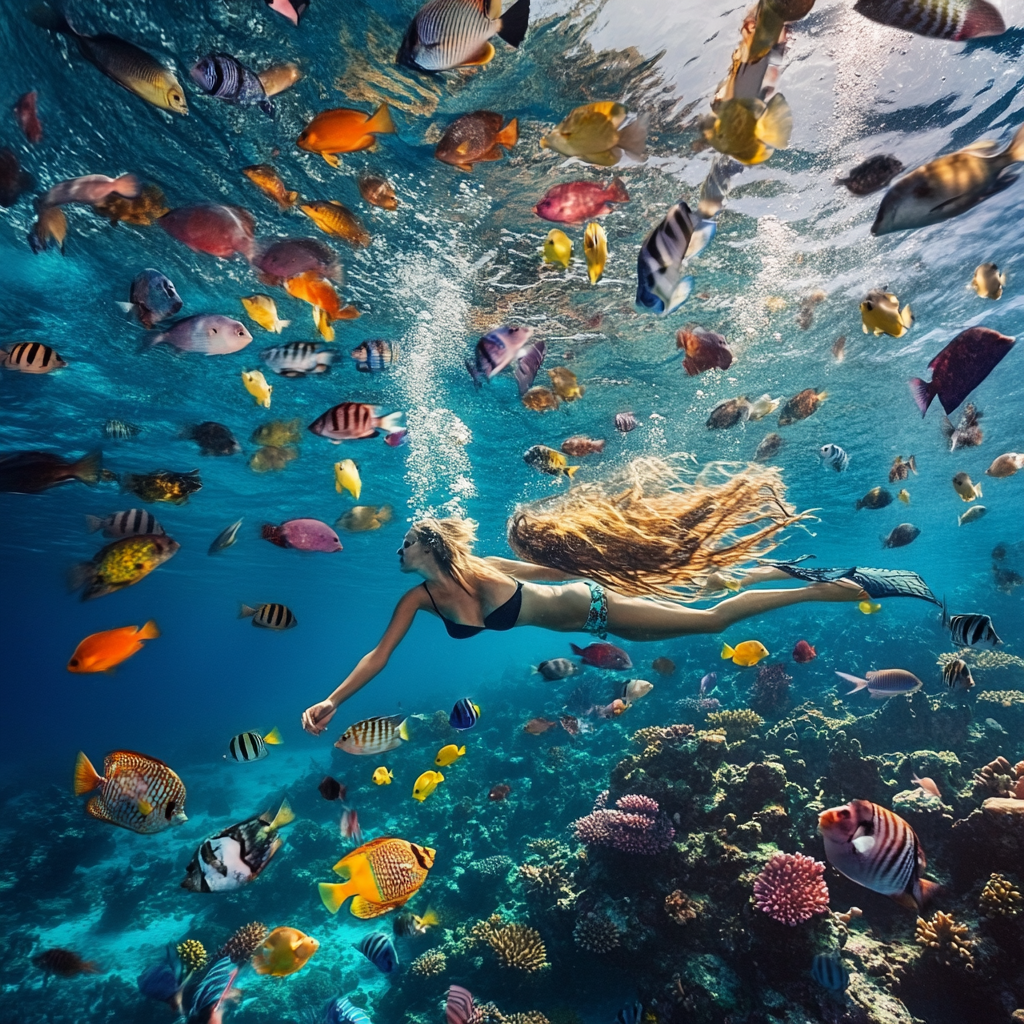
[
  {"x": 251, "y": 746},
  {"x": 137, "y": 792},
  {"x": 374, "y": 735},
  {"x": 269, "y": 616},
  {"x": 31, "y": 357}
]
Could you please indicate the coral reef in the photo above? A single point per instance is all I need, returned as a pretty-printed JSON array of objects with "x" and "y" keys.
[
  {"x": 998, "y": 778},
  {"x": 770, "y": 693},
  {"x": 515, "y": 945},
  {"x": 596, "y": 933},
  {"x": 999, "y": 897},
  {"x": 243, "y": 943},
  {"x": 680, "y": 908},
  {"x": 656, "y": 735},
  {"x": 737, "y": 725},
  {"x": 427, "y": 964},
  {"x": 699, "y": 705},
  {"x": 947, "y": 938},
  {"x": 637, "y": 826},
  {"x": 192, "y": 954},
  {"x": 791, "y": 888}
]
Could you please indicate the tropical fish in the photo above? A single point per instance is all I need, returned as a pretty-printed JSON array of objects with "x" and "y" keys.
[
  {"x": 873, "y": 174},
  {"x": 131, "y": 67},
  {"x": 949, "y": 185},
  {"x": 381, "y": 876},
  {"x": 407, "y": 925},
  {"x": 448, "y": 34},
  {"x": 901, "y": 470},
  {"x": 293, "y": 10},
  {"x": 375, "y": 356},
  {"x": 705, "y": 350},
  {"x": 381, "y": 776},
  {"x": 680, "y": 235},
  {"x": 206, "y": 1000},
  {"x": 152, "y": 298},
  {"x": 103, "y": 652},
  {"x": 633, "y": 689},
  {"x": 967, "y": 433},
  {"x": 348, "y": 825},
  {"x": 965, "y": 488},
  {"x": 235, "y": 856},
  {"x": 663, "y": 666},
  {"x": 263, "y": 310},
  {"x": 839, "y": 348},
  {"x": 537, "y": 726},
  {"x": 226, "y": 78},
  {"x": 142, "y": 210},
  {"x": 363, "y": 518},
  {"x": 63, "y": 963},
  {"x": 957, "y": 675},
  {"x": 31, "y": 357},
  {"x": 876, "y": 848},
  {"x": 269, "y": 616},
  {"x": 987, "y": 281},
  {"x": 1006, "y": 465},
  {"x": 900, "y": 536},
  {"x": 32, "y": 472},
  {"x": 763, "y": 406},
  {"x": 830, "y": 972},
  {"x": 284, "y": 951},
  {"x": 332, "y": 218},
  {"x": 129, "y": 523},
  {"x": 449, "y": 754},
  {"x": 210, "y": 334},
  {"x": 884, "y": 683},
  {"x": 557, "y": 668},
  {"x": 961, "y": 367},
  {"x": 747, "y": 653},
  {"x": 342, "y": 1011},
  {"x": 869, "y": 607},
  {"x": 595, "y": 249},
  {"x": 212, "y": 438},
  {"x": 877, "y": 497},
  {"x": 15, "y": 182},
  {"x": 904, "y": 496},
  {"x": 378, "y": 191},
  {"x": 801, "y": 405},
  {"x": 341, "y": 130},
  {"x": 748, "y": 129},
  {"x": 573, "y": 202},
  {"x": 603, "y": 655},
  {"x": 288, "y": 258},
  {"x": 937, "y": 19},
  {"x": 426, "y": 784},
  {"x": 251, "y": 746},
  {"x": 540, "y": 399},
  {"x": 803, "y": 652},
  {"x": 51, "y": 226},
  {"x": 378, "y": 948},
  {"x": 968, "y": 630},
  {"x": 501, "y": 790},
  {"x": 281, "y": 77},
  {"x": 331, "y": 789},
  {"x": 225, "y": 538},
  {"x": 926, "y": 784},
  {"x": 121, "y": 564},
  {"x": 212, "y": 228},
  {"x": 769, "y": 447},
  {"x": 527, "y": 365},
  {"x": 298, "y": 358},
  {"x": 578, "y": 446},
  {"x": 464, "y": 715},
  {"x": 136, "y": 792},
  {"x": 256, "y": 384},
  {"x": 303, "y": 535},
  {"x": 346, "y": 478},
  {"x": 972, "y": 515},
  {"x": 547, "y": 460},
  {"x": 595, "y": 133},
  {"x": 728, "y": 413},
  {"x": 496, "y": 350},
  {"x": 459, "y": 1007},
  {"x": 558, "y": 248},
  {"x": 625, "y": 422},
  {"x": 163, "y": 485},
  {"x": 476, "y": 138},
  {"x": 374, "y": 736},
  {"x": 26, "y": 111},
  {"x": 352, "y": 421},
  {"x": 277, "y": 432},
  {"x": 880, "y": 313},
  {"x": 834, "y": 456}
]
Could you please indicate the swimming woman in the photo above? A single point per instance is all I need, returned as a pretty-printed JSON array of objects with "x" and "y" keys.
[{"x": 625, "y": 551}]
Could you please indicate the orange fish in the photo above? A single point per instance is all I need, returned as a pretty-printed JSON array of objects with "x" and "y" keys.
[
  {"x": 319, "y": 292},
  {"x": 381, "y": 875},
  {"x": 341, "y": 130},
  {"x": 284, "y": 951},
  {"x": 103, "y": 652}
]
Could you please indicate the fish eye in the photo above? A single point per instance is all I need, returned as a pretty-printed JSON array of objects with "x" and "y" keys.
[{"x": 73, "y": 661}]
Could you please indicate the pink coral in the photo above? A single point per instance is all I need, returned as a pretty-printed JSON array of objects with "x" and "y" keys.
[
  {"x": 637, "y": 826},
  {"x": 791, "y": 888}
]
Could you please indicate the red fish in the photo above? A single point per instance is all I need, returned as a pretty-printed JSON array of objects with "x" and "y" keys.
[
  {"x": 212, "y": 228},
  {"x": 32, "y": 472},
  {"x": 960, "y": 367},
  {"x": 578, "y": 445},
  {"x": 803, "y": 652},
  {"x": 28, "y": 118},
  {"x": 705, "y": 350},
  {"x": 577, "y": 201},
  {"x": 303, "y": 534},
  {"x": 349, "y": 826},
  {"x": 352, "y": 421},
  {"x": 500, "y": 791},
  {"x": 603, "y": 656}
]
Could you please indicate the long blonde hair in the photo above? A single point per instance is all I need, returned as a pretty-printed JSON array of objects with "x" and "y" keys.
[
  {"x": 451, "y": 542},
  {"x": 649, "y": 531}
]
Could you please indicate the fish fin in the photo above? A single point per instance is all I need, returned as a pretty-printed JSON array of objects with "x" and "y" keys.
[
  {"x": 633, "y": 138},
  {"x": 904, "y": 899},
  {"x": 392, "y": 422},
  {"x": 864, "y": 844},
  {"x": 52, "y": 20},
  {"x": 331, "y": 158},
  {"x": 246, "y": 611},
  {"x": 700, "y": 239},
  {"x": 570, "y": 471},
  {"x": 906, "y": 316},
  {"x": 126, "y": 307},
  {"x": 267, "y": 106},
  {"x": 150, "y": 631},
  {"x": 274, "y": 738},
  {"x": 334, "y": 894},
  {"x": 727, "y": 651},
  {"x": 403, "y": 729},
  {"x": 509, "y": 135},
  {"x": 81, "y": 574},
  {"x": 95, "y": 809},
  {"x": 284, "y": 815},
  {"x": 859, "y": 684},
  {"x": 86, "y": 777},
  {"x": 617, "y": 192},
  {"x": 576, "y": 650},
  {"x": 606, "y": 158},
  {"x": 485, "y": 56},
  {"x": 923, "y": 392},
  {"x": 93, "y": 523},
  {"x": 680, "y": 294},
  {"x": 927, "y": 890},
  {"x": 775, "y": 125},
  {"x": 88, "y": 468},
  {"x": 364, "y": 909},
  {"x": 381, "y": 123},
  {"x": 514, "y": 23},
  {"x": 430, "y": 918},
  {"x": 912, "y": 463}
]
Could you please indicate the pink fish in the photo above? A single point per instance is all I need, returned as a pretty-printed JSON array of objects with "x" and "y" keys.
[
  {"x": 458, "y": 1007},
  {"x": 290, "y": 9},
  {"x": 285, "y": 258},
  {"x": 496, "y": 350},
  {"x": 28, "y": 118},
  {"x": 927, "y": 784},
  {"x": 303, "y": 535},
  {"x": 603, "y": 656},
  {"x": 960, "y": 367},
  {"x": 212, "y": 228},
  {"x": 349, "y": 826},
  {"x": 215, "y": 335},
  {"x": 91, "y": 189},
  {"x": 577, "y": 201}
]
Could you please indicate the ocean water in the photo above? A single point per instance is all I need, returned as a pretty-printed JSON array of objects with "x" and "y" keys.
[{"x": 460, "y": 256}]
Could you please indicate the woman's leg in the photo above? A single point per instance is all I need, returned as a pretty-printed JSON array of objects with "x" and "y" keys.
[{"x": 637, "y": 618}]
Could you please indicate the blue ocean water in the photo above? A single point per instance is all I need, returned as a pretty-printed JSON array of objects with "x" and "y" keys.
[{"x": 460, "y": 256}]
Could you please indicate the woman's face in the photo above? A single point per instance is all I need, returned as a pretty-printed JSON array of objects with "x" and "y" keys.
[{"x": 413, "y": 553}]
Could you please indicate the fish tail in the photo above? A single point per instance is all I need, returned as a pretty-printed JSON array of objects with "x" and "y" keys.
[
  {"x": 576, "y": 650},
  {"x": 284, "y": 815},
  {"x": 912, "y": 463},
  {"x": 430, "y": 918},
  {"x": 776, "y": 124},
  {"x": 273, "y": 737},
  {"x": 906, "y": 316},
  {"x": 509, "y": 135},
  {"x": 923, "y": 392},
  {"x": 93, "y": 523},
  {"x": 273, "y": 534},
  {"x": 570, "y": 471},
  {"x": 403, "y": 729},
  {"x": 150, "y": 631},
  {"x": 381, "y": 122},
  {"x": 633, "y": 138},
  {"x": 86, "y": 777},
  {"x": 925, "y": 890},
  {"x": 680, "y": 294},
  {"x": 392, "y": 423},
  {"x": 617, "y": 192},
  {"x": 81, "y": 574},
  {"x": 514, "y": 23},
  {"x": 727, "y": 651},
  {"x": 88, "y": 467},
  {"x": 334, "y": 894},
  {"x": 128, "y": 186},
  {"x": 858, "y": 683},
  {"x": 52, "y": 20}
]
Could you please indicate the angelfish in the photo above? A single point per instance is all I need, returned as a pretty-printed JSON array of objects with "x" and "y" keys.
[{"x": 679, "y": 236}]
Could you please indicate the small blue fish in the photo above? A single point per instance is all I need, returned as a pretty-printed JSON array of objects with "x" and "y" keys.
[
  {"x": 228, "y": 79},
  {"x": 341, "y": 1011},
  {"x": 834, "y": 456},
  {"x": 380, "y": 951},
  {"x": 162, "y": 981},
  {"x": 152, "y": 298},
  {"x": 375, "y": 356},
  {"x": 464, "y": 715},
  {"x": 830, "y": 972},
  {"x": 680, "y": 236},
  {"x": 708, "y": 683}
]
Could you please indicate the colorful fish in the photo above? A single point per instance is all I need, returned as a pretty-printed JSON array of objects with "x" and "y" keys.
[
  {"x": 103, "y": 652},
  {"x": 449, "y": 754},
  {"x": 380, "y": 876},
  {"x": 251, "y": 746},
  {"x": 136, "y": 792},
  {"x": 464, "y": 715},
  {"x": 603, "y": 655},
  {"x": 284, "y": 951},
  {"x": 374, "y": 736},
  {"x": 747, "y": 653},
  {"x": 426, "y": 784}
]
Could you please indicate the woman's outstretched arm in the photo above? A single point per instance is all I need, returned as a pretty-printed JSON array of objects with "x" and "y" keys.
[
  {"x": 316, "y": 718},
  {"x": 529, "y": 572}
]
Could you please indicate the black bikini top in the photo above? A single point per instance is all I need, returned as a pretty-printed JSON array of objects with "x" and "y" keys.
[{"x": 502, "y": 618}]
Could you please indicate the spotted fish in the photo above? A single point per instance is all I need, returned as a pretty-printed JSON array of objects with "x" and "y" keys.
[
  {"x": 136, "y": 792},
  {"x": 381, "y": 876}
]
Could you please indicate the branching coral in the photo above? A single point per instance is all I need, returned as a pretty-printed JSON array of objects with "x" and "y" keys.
[
  {"x": 637, "y": 826},
  {"x": 791, "y": 888},
  {"x": 738, "y": 725},
  {"x": 1000, "y": 898},
  {"x": 680, "y": 908},
  {"x": 515, "y": 945},
  {"x": 530, "y": 1017},
  {"x": 770, "y": 693},
  {"x": 657, "y": 735},
  {"x": 493, "y": 867},
  {"x": 1003, "y": 698},
  {"x": 999, "y": 778},
  {"x": 245, "y": 941},
  {"x": 192, "y": 954},
  {"x": 547, "y": 876},
  {"x": 714, "y": 736},
  {"x": 430, "y": 963},
  {"x": 947, "y": 938},
  {"x": 596, "y": 933}
]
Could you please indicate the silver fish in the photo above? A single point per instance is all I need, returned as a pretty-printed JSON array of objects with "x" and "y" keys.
[
  {"x": 298, "y": 358},
  {"x": 225, "y": 538}
]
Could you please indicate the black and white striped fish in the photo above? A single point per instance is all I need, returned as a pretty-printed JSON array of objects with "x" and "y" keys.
[
  {"x": 834, "y": 456},
  {"x": 269, "y": 616},
  {"x": 968, "y": 630},
  {"x": 936, "y": 19},
  {"x": 378, "y": 948},
  {"x": 31, "y": 357},
  {"x": 119, "y": 430},
  {"x": 298, "y": 358},
  {"x": 133, "y": 522},
  {"x": 251, "y": 746},
  {"x": 956, "y": 674},
  {"x": 679, "y": 236},
  {"x": 830, "y": 972},
  {"x": 227, "y": 78}
]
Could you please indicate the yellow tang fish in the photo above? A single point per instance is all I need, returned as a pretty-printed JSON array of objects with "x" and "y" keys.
[
  {"x": 593, "y": 133},
  {"x": 346, "y": 478},
  {"x": 880, "y": 313},
  {"x": 381, "y": 875},
  {"x": 263, "y": 310},
  {"x": 382, "y": 777},
  {"x": 869, "y": 607},
  {"x": 558, "y": 248},
  {"x": 750, "y": 652},
  {"x": 566, "y": 386},
  {"x": 595, "y": 249},
  {"x": 448, "y": 755},
  {"x": 749, "y": 130},
  {"x": 904, "y": 496},
  {"x": 257, "y": 386},
  {"x": 284, "y": 951},
  {"x": 426, "y": 784}
]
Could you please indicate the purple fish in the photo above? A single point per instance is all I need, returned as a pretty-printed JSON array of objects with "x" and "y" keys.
[
  {"x": 302, "y": 534},
  {"x": 496, "y": 350},
  {"x": 708, "y": 683},
  {"x": 960, "y": 367},
  {"x": 603, "y": 656},
  {"x": 527, "y": 365},
  {"x": 289, "y": 257},
  {"x": 213, "y": 334}
]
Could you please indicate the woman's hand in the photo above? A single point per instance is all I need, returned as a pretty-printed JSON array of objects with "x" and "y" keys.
[{"x": 316, "y": 718}]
